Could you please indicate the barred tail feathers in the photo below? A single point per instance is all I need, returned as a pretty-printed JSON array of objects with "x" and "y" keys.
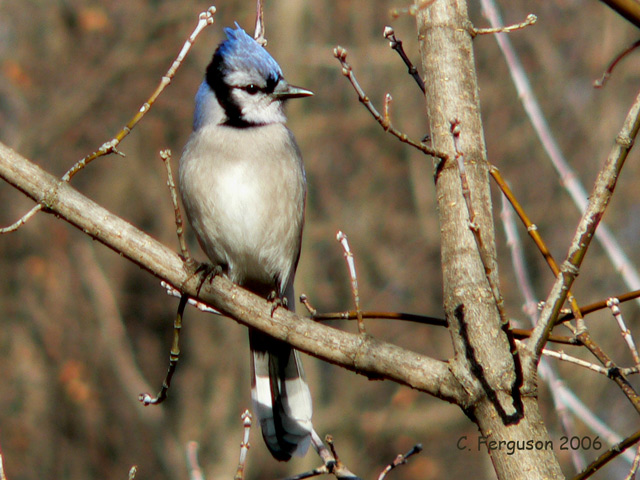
[{"x": 281, "y": 396}]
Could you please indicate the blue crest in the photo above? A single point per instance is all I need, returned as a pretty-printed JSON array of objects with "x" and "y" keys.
[{"x": 240, "y": 52}]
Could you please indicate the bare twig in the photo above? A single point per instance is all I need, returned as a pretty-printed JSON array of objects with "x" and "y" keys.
[
  {"x": 560, "y": 394},
  {"x": 259, "y": 31},
  {"x": 2, "y": 474},
  {"x": 634, "y": 466},
  {"x": 488, "y": 262},
  {"x": 244, "y": 446},
  {"x": 174, "y": 357},
  {"x": 341, "y": 54},
  {"x": 332, "y": 464},
  {"x": 411, "y": 11},
  {"x": 581, "y": 334},
  {"x": 24, "y": 219},
  {"x": 568, "y": 177},
  {"x": 518, "y": 333},
  {"x": 204, "y": 19},
  {"x": 348, "y": 255},
  {"x": 560, "y": 355},
  {"x": 195, "y": 471},
  {"x": 607, "y": 456},
  {"x": 607, "y": 73},
  {"x": 532, "y": 230},
  {"x": 400, "y": 460},
  {"x": 305, "y": 301},
  {"x": 396, "y": 45},
  {"x": 386, "y": 108},
  {"x": 598, "y": 202},
  {"x": 339, "y": 469},
  {"x": 565, "y": 275},
  {"x": 530, "y": 20},
  {"x": 614, "y": 305},
  {"x": 523, "y": 279},
  {"x": 165, "y": 155},
  {"x": 594, "y": 307}
]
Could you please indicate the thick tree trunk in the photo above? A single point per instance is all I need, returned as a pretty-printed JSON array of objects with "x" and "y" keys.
[{"x": 483, "y": 363}]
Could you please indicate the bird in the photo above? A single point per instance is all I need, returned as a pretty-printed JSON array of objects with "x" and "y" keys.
[{"x": 243, "y": 187}]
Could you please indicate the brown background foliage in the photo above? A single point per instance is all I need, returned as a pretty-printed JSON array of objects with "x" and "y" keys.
[{"x": 83, "y": 331}]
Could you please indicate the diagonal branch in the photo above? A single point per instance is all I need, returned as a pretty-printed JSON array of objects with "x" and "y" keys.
[
  {"x": 598, "y": 201},
  {"x": 362, "y": 354}
]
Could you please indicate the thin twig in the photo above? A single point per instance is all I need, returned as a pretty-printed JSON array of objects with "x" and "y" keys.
[
  {"x": 560, "y": 355},
  {"x": 165, "y": 155},
  {"x": 560, "y": 394},
  {"x": 411, "y": 11},
  {"x": 634, "y": 466},
  {"x": 400, "y": 460},
  {"x": 341, "y": 54},
  {"x": 244, "y": 446},
  {"x": 598, "y": 202},
  {"x": 332, "y": 464},
  {"x": 518, "y": 333},
  {"x": 305, "y": 301},
  {"x": 2, "y": 474},
  {"x": 565, "y": 275},
  {"x": 348, "y": 255},
  {"x": 488, "y": 262},
  {"x": 532, "y": 230},
  {"x": 594, "y": 307},
  {"x": 386, "y": 107},
  {"x": 490, "y": 269},
  {"x": 24, "y": 219},
  {"x": 523, "y": 278},
  {"x": 259, "y": 31},
  {"x": 607, "y": 456},
  {"x": 174, "y": 357},
  {"x": 607, "y": 73},
  {"x": 530, "y": 20},
  {"x": 204, "y": 19},
  {"x": 396, "y": 44},
  {"x": 614, "y": 305},
  {"x": 568, "y": 177},
  {"x": 193, "y": 465},
  {"x": 571, "y": 267}
]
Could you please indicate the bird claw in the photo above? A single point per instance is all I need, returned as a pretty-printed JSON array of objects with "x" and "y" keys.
[
  {"x": 207, "y": 271},
  {"x": 276, "y": 301}
]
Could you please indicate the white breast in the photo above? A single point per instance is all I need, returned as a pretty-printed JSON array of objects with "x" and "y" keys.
[{"x": 244, "y": 193}]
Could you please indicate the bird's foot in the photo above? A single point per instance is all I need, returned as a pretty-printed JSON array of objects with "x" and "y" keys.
[
  {"x": 277, "y": 301},
  {"x": 207, "y": 271}
]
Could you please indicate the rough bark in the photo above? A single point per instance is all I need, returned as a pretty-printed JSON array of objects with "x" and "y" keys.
[{"x": 483, "y": 363}]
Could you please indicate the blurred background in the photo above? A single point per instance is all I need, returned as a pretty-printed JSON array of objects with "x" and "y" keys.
[{"x": 84, "y": 331}]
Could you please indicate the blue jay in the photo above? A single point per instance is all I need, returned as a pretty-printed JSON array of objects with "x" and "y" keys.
[{"x": 243, "y": 187}]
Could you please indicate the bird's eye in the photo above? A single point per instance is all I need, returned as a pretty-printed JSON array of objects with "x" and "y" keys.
[{"x": 251, "y": 89}]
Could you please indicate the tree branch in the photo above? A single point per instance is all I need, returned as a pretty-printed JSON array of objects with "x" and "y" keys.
[{"x": 360, "y": 353}]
